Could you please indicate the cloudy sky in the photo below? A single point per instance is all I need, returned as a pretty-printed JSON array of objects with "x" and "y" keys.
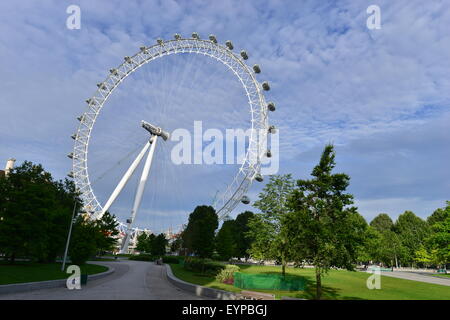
[{"x": 381, "y": 96}]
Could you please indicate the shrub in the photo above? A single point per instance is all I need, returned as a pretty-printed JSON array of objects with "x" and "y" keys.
[
  {"x": 205, "y": 266},
  {"x": 142, "y": 257},
  {"x": 227, "y": 275},
  {"x": 171, "y": 259}
]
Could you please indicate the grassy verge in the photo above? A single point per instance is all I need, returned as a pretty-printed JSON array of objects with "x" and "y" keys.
[
  {"x": 31, "y": 272},
  {"x": 337, "y": 284}
]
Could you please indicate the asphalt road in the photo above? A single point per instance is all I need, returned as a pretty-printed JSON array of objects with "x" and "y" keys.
[{"x": 132, "y": 280}]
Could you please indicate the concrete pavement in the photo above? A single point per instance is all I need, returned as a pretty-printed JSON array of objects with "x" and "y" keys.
[
  {"x": 417, "y": 277},
  {"x": 132, "y": 280}
]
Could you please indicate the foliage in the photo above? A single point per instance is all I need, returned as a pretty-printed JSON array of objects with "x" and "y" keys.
[
  {"x": 142, "y": 257},
  {"x": 242, "y": 241},
  {"x": 205, "y": 266},
  {"x": 412, "y": 232},
  {"x": 158, "y": 245},
  {"x": 108, "y": 232},
  {"x": 198, "y": 237},
  {"x": 35, "y": 213},
  {"x": 83, "y": 242},
  {"x": 321, "y": 228},
  {"x": 227, "y": 274},
  {"x": 171, "y": 259},
  {"x": 225, "y": 240},
  {"x": 265, "y": 228},
  {"x": 152, "y": 244},
  {"x": 382, "y": 223}
]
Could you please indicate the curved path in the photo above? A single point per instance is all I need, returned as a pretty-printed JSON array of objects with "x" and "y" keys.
[
  {"x": 132, "y": 280},
  {"x": 418, "y": 277}
]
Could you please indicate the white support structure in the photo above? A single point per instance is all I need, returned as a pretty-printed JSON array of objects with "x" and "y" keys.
[
  {"x": 124, "y": 180},
  {"x": 139, "y": 193}
]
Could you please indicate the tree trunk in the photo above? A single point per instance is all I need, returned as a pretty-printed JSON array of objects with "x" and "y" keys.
[
  {"x": 318, "y": 284},
  {"x": 396, "y": 261},
  {"x": 283, "y": 267},
  {"x": 12, "y": 258}
]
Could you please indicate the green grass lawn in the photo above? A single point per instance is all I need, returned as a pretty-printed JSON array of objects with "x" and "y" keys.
[
  {"x": 30, "y": 272},
  {"x": 337, "y": 284}
]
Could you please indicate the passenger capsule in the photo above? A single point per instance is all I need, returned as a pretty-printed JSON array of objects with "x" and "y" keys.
[
  {"x": 268, "y": 153},
  {"x": 74, "y": 136},
  {"x": 114, "y": 72},
  {"x": 256, "y": 68},
  {"x": 244, "y": 55},
  {"x": 90, "y": 101},
  {"x": 101, "y": 86},
  {"x": 177, "y": 36},
  {"x": 229, "y": 44},
  {"x": 195, "y": 35},
  {"x": 128, "y": 59},
  {"x": 70, "y": 155},
  {"x": 245, "y": 200},
  {"x": 259, "y": 177},
  {"x": 159, "y": 41},
  {"x": 271, "y": 106},
  {"x": 266, "y": 86},
  {"x": 70, "y": 174},
  {"x": 80, "y": 118},
  {"x": 143, "y": 49},
  {"x": 212, "y": 38},
  {"x": 272, "y": 129}
]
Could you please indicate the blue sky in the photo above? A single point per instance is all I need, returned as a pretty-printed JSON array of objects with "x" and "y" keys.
[{"x": 381, "y": 96}]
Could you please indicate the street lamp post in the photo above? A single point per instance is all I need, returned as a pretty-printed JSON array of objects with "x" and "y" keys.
[{"x": 72, "y": 220}]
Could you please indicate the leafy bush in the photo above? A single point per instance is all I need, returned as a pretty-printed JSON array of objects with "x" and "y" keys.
[
  {"x": 171, "y": 259},
  {"x": 227, "y": 275},
  {"x": 205, "y": 266},
  {"x": 142, "y": 257}
]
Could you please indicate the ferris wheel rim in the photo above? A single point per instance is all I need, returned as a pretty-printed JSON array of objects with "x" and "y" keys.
[{"x": 247, "y": 171}]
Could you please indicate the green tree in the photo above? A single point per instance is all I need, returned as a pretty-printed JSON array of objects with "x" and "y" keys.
[
  {"x": 322, "y": 228},
  {"x": 225, "y": 240},
  {"x": 158, "y": 245},
  {"x": 83, "y": 241},
  {"x": 142, "y": 243},
  {"x": 382, "y": 223},
  {"x": 439, "y": 240},
  {"x": 370, "y": 251},
  {"x": 198, "y": 237},
  {"x": 108, "y": 232},
  {"x": 439, "y": 215},
  {"x": 242, "y": 241},
  {"x": 265, "y": 228},
  {"x": 412, "y": 232},
  {"x": 34, "y": 213}
]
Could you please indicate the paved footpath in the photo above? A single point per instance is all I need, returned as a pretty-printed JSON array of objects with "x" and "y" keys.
[
  {"x": 132, "y": 280},
  {"x": 418, "y": 277}
]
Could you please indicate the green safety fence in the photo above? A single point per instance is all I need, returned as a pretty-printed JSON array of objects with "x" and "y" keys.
[{"x": 268, "y": 282}]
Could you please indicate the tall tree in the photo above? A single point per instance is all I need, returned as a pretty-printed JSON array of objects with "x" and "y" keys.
[
  {"x": 382, "y": 222},
  {"x": 108, "y": 232},
  {"x": 242, "y": 241},
  {"x": 35, "y": 213},
  {"x": 158, "y": 245},
  {"x": 198, "y": 237},
  {"x": 439, "y": 215},
  {"x": 322, "y": 228},
  {"x": 412, "y": 232},
  {"x": 265, "y": 228},
  {"x": 225, "y": 240}
]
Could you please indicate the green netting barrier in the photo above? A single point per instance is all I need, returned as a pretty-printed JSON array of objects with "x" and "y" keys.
[{"x": 268, "y": 282}]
